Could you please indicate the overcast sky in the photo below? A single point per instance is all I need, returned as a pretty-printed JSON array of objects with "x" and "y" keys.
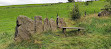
[{"x": 15, "y": 2}]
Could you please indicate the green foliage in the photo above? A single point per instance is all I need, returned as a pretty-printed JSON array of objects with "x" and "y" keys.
[{"x": 75, "y": 13}]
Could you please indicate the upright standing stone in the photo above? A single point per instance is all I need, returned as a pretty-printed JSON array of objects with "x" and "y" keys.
[
  {"x": 53, "y": 25},
  {"x": 24, "y": 28},
  {"x": 38, "y": 24},
  {"x": 61, "y": 22},
  {"x": 47, "y": 26}
]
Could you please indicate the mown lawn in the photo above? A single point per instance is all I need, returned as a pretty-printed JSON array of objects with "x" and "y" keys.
[{"x": 97, "y": 33}]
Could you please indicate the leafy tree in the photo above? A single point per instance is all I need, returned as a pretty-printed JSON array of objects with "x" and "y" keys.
[{"x": 71, "y": 0}]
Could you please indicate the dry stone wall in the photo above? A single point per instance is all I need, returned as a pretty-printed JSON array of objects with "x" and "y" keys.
[{"x": 26, "y": 27}]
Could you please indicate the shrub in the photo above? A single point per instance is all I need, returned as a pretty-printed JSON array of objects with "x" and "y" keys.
[{"x": 75, "y": 14}]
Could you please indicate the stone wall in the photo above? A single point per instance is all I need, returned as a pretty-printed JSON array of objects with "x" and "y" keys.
[{"x": 25, "y": 26}]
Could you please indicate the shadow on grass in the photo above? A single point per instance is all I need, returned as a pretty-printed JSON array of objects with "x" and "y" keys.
[
  {"x": 71, "y": 33},
  {"x": 74, "y": 33}
]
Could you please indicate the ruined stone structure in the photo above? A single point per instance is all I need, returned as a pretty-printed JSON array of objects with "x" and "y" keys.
[{"x": 26, "y": 27}]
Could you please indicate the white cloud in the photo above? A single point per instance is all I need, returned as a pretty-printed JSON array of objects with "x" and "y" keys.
[{"x": 14, "y": 2}]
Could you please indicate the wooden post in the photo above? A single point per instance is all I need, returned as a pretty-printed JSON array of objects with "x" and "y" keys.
[{"x": 57, "y": 21}]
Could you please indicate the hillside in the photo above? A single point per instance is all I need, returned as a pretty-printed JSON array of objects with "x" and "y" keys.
[{"x": 97, "y": 33}]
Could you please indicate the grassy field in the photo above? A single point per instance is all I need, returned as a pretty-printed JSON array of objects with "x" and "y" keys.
[{"x": 97, "y": 33}]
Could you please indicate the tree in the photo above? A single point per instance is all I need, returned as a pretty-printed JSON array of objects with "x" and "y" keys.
[
  {"x": 75, "y": 14},
  {"x": 71, "y": 0}
]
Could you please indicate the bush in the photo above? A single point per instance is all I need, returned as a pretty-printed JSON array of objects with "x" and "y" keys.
[{"x": 75, "y": 14}]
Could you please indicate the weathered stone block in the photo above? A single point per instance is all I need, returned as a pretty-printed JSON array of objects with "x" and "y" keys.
[
  {"x": 53, "y": 25},
  {"x": 38, "y": 24},
  {"x": 47, "y": 26},
  {"x": 61, "y": 22},
  {"x": 24, "y": 28}
]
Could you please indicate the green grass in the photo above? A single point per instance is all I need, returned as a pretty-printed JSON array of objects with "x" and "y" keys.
[
  {"x": 96, "y": 24},
  {"x": 97, "y": 35},
  {"x": 8, "y": 16}
]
